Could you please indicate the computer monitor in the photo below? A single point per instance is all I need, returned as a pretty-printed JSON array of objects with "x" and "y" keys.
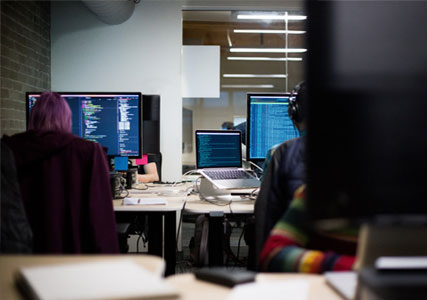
[
  {"x": 268, "y": 124},
  {"x": 112, "y": 119},
  {"x": 367, "y": 145}
]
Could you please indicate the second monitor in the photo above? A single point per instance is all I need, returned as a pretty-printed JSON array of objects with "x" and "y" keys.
[
  {"x": 111, "y": 119},
  {"x": 268, "y": 123}
]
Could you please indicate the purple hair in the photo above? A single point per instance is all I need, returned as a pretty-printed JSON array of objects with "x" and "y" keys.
[{"x": 50, "y": 112}]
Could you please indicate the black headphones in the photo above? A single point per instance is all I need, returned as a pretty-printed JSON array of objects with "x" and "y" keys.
[{"x": 296, "y": 107}]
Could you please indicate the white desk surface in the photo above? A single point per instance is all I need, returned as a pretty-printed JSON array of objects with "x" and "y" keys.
[
  {"x": 239, "y": 206},
  {"x": 174, "y": 204},
  {"x": 192, "y": 289},
  {"x": 10, "y": 264},
  {"x": 175, "y": 196}
]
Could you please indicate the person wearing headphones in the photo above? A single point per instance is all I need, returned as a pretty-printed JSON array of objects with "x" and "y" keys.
[{"x": 286, "y": 171}]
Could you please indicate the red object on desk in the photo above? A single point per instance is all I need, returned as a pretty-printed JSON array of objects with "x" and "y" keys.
[{"x": 143, "y": 160}]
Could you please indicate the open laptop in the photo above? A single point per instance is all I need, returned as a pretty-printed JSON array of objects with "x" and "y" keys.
[{"x": 219, "y": 159}]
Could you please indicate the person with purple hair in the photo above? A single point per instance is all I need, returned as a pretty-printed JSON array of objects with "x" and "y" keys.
[
  {"x": 64, "y": 183},
  {"x": 52, "y": 113}
]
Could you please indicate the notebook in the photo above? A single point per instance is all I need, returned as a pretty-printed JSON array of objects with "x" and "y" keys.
[
  {"x": 219, "y": 159},
  {"x": 118, "y": 279}
]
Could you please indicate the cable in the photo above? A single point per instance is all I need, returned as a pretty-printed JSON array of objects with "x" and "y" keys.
[
  {"x": 215, "y": 202},
  {"x": 174, "y": 183},
  {"x": 238, "y": 245},
  {"x": 123, "y": 188},
  {"x": 189, "y": 172},
  {"x": 197, "y": 186},
  {"x": 144, "y": 239},
  {"x": 127, "y": 193},
  {"x": 167, "y": 183},
  {"x": 187, "y": 193},
  {"x": 255, "y": 165},
  {"x": 140, "y": 186},
  {"x": 254, "y": 194},
  {"x": 137, "y": 243}
]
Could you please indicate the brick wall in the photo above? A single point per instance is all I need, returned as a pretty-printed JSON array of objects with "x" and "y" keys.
[{"x": 25, "y": 58}]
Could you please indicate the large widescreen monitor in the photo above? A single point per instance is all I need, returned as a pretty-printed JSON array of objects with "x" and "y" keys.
[
  {"x": 112, "y": 119},
  {"x": 267, "y": 124},
  {"x": 367, "y": 144}
]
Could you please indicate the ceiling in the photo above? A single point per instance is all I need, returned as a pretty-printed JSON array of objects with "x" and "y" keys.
[
  {"x": 246, "y": 5},
  {"x": 217, "y": 28}
]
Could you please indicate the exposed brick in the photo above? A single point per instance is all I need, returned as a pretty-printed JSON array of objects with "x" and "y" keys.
[
  {"x": 25, "y": 58},
  {"x": 9, "y": 104},
  {"x": 3, "y": 112},
  {"x": 20, "y": 114},
  {"x": 4, "y": 124},
  {"x": 4, "y": 93},
  {"x": 15, "y": 95}
]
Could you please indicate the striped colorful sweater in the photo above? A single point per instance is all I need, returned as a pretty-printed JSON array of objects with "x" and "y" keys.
[{"x": 285, "y": 250}]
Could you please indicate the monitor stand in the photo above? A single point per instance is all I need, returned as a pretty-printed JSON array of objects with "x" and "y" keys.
[
  {"x": 390, "y": 240},
  {"x": 208, "y": 191}
]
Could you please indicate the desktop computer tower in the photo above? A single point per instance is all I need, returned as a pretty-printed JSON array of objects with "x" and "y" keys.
[
  {"x": 151, "y": 123},
  {"x": 151, "y": 130}
]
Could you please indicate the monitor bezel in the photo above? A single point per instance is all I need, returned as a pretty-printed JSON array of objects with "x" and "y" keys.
[
  {"x": 248, "y": 112},
  {"x": 139, "y": 94}
]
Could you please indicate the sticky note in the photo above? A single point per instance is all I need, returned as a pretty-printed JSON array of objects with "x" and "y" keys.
[
  {"x": 121, "y": 163},
  {"x": 143, "y": 160}
]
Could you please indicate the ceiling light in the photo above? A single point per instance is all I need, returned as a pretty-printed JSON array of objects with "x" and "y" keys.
[
  {"x": 254, "y": 76},
  {"x": 269, "y": 50},
  {"x": 268, "y": 31},
  {"x": 272, "y": 17},
  {"x": 247, "y": 86},
  {"x": 265, "y": 58}
]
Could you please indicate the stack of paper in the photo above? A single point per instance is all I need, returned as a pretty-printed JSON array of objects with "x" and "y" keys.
[{"x": 121, "y": 279}]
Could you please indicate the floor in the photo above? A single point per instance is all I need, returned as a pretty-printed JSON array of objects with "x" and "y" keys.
[
  {"x": 184, "y": 262},
  {"x": 238, "y": 247}
]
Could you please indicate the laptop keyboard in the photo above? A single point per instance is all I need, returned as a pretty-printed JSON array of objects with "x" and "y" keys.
[{"x": 227, "y": 174}]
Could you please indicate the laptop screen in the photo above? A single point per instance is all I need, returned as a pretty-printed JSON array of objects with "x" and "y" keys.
[{"x": 218, "y": 149}]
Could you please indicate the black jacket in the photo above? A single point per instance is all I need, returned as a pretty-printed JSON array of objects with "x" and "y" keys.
[
  {"x": 285, "y": 173},
  {"x": 16, "y": 234}
]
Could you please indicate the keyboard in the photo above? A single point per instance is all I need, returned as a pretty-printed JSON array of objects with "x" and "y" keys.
[{"x": 227, "y": 174}]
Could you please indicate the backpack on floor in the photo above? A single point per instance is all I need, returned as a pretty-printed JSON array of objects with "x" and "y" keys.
[{"x": 199, "y": 250}]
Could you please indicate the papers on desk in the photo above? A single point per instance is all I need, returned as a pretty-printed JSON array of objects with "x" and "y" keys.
[
  {"x": 119, "y": 279},
  {"x": 145, "y": 201},
  {"x": 343, "y": 282},
  {"x": 290, "y": 289}
]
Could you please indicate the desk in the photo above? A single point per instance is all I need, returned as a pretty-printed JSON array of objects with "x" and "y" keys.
[
  {"x": 162, "y": 235},
  {"x": 238, "y": 206},
  {"x": 216, "y": 213},
  {"x": 192, "y": 289},
  {"x": 161, "y": 221},
  {"x": 9, "y": 265}
]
